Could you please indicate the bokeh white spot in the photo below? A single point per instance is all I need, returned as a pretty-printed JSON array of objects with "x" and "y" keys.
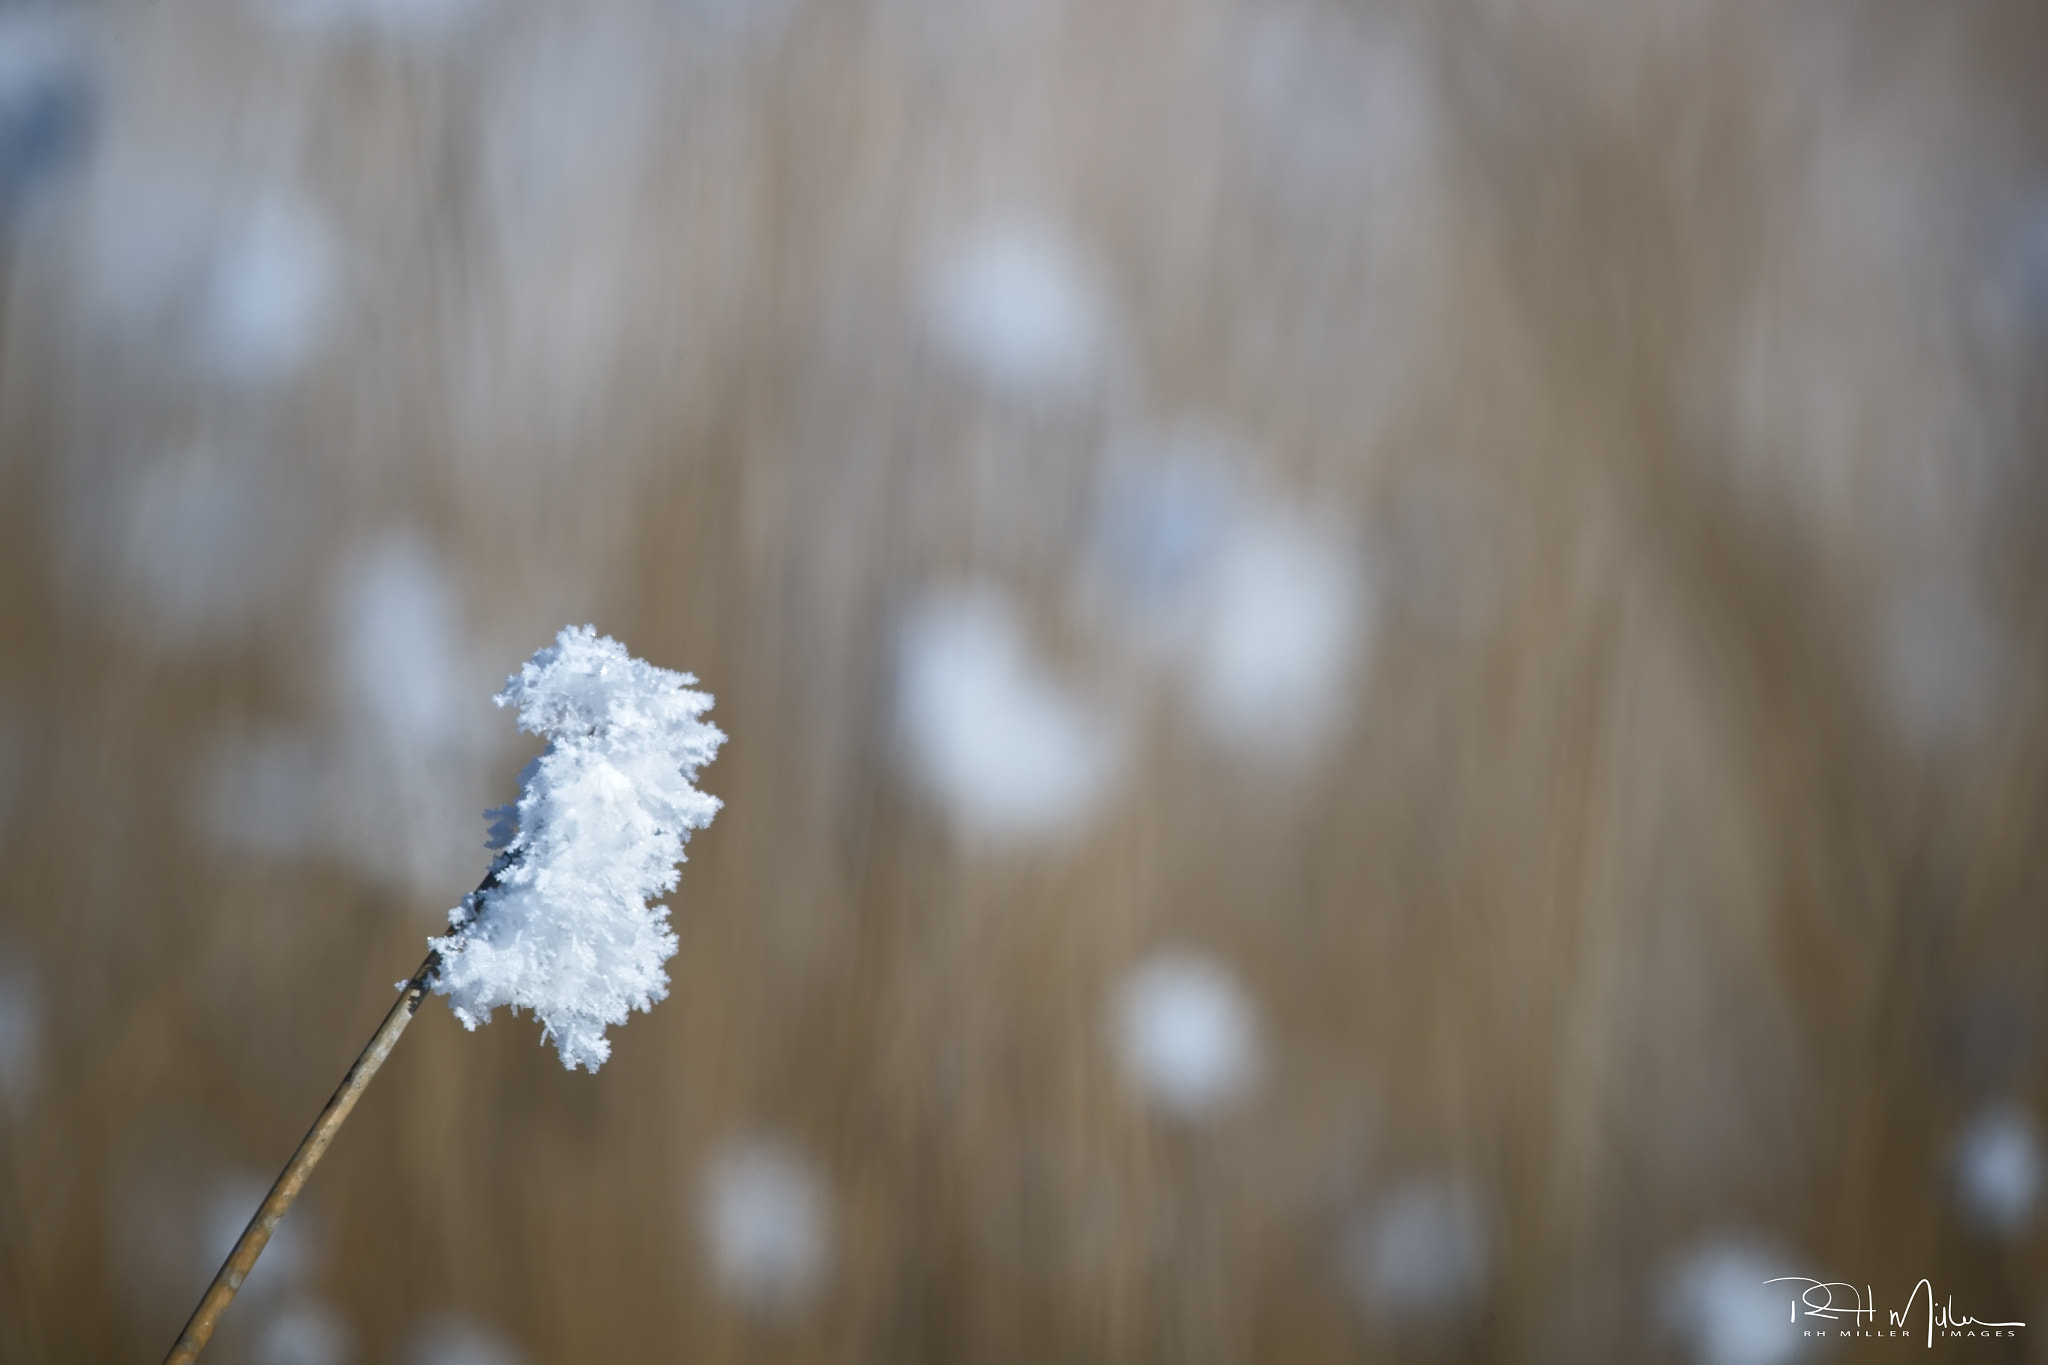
[
  {"x": 1164, "y": 512},
  {"x": 1186, "y": 1033},
  {"x": 1420, "y": 1251},
  {"x": 264, "y": 794},
  {"x": 1339, "y": 105},
  {"x": 1282, "y": 635},
  {"x": 270, "y": 292},
  {"x": 203, "y": 543},
  {"x": 1011, "y": 753},
  {"x": 449, "y": 1339},
  {"x": 1998, "y": 1170},
  {"x": 304, "y": 1331},
  {"x": 1720, "y": 1303},
  {"x": 21, "y": 1031},
  {"x": 766, "y": 1225},
  {"x": 1260, "y": 605},
  {"x": 286, "y": 1257},
  {"x": 396, "y": 617},
  {"x": 410, "y": 698},
  {"x": 1016, "y": 306},
  {"x": 48, "y": 95}
]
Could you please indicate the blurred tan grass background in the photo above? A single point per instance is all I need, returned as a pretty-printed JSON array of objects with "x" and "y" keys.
[{"x": 1383, "y": 665}]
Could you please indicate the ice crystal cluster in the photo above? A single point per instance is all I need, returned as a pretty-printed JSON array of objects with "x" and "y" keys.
[{"x": 565, "y": 926}]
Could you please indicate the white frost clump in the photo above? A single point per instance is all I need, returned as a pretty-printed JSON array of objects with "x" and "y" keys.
[
  {"x": 1186, "y": 1033},
  {"x": 1998, "y": 1170},
  {"x": 564, "y": 926}
]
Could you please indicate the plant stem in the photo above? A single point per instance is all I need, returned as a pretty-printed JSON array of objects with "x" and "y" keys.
[{"x": 254, "y": 1237}]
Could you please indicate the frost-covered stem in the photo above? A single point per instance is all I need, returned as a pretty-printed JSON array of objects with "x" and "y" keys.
[{"x": 254, "y": 1237}]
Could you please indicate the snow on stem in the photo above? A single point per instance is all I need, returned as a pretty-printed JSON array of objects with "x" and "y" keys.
[{"x": 565, "y": 924}]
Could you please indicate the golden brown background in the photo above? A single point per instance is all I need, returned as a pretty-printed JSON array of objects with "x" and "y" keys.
[{"x": 1511, "y": 531}]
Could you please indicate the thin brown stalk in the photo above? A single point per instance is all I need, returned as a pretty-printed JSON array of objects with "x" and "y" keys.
[{"x": 242, "y": 1259}]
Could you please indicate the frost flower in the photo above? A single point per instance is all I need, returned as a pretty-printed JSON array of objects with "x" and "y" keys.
[{"x": 564, "y": 926}]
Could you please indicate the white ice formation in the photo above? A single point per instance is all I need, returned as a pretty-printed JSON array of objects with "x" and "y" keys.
[{"x": 565, "y": 926}]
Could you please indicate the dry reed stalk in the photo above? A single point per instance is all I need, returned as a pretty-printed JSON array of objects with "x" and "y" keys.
[{"x": 256, "y": 1236}]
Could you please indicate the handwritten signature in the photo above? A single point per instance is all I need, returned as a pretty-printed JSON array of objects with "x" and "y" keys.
[{"x": 1819, "y": 1301}]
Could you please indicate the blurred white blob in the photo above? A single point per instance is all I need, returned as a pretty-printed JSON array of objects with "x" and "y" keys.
[
  {"x": 1287, "y": 603},
  {"x": 1011, "y": 754},
  {"x": 204, "y": 536},
  {"x": 1341, "y": 104},
  {"x": 21, "y": 1032},
  {"x": 265, "y": 794},
  {"x": 1162, "y": 519},
  {"x": 2011, "y": 304},
  {"x": 1718, "y": 1301},
  {"x": 229, "y": 1208},
  {"x": 46, "y": 100},
  {"x": 396, "y": 638},
  {"x": 1263, "y": 607},
  {"x": 765, "y": 1224},
  {"x": 1420, "y": 1252},
  {"x": 396, "y": 780},
  {"x": 188, "y": 264},
  {"x": 1186, "y": 1033},
  {"x": 1942, "y": 657},
  {"x": 1015, "y": 306},
  {"x": 417, "y": 21},
  {"x": 269, "y": 292},
  {"x": 304, "y": 1332},
  {"x": 1998, "y": 1169},
  {"x": 446, "y": 1339},
  {"x": 414, "y": 704}
]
